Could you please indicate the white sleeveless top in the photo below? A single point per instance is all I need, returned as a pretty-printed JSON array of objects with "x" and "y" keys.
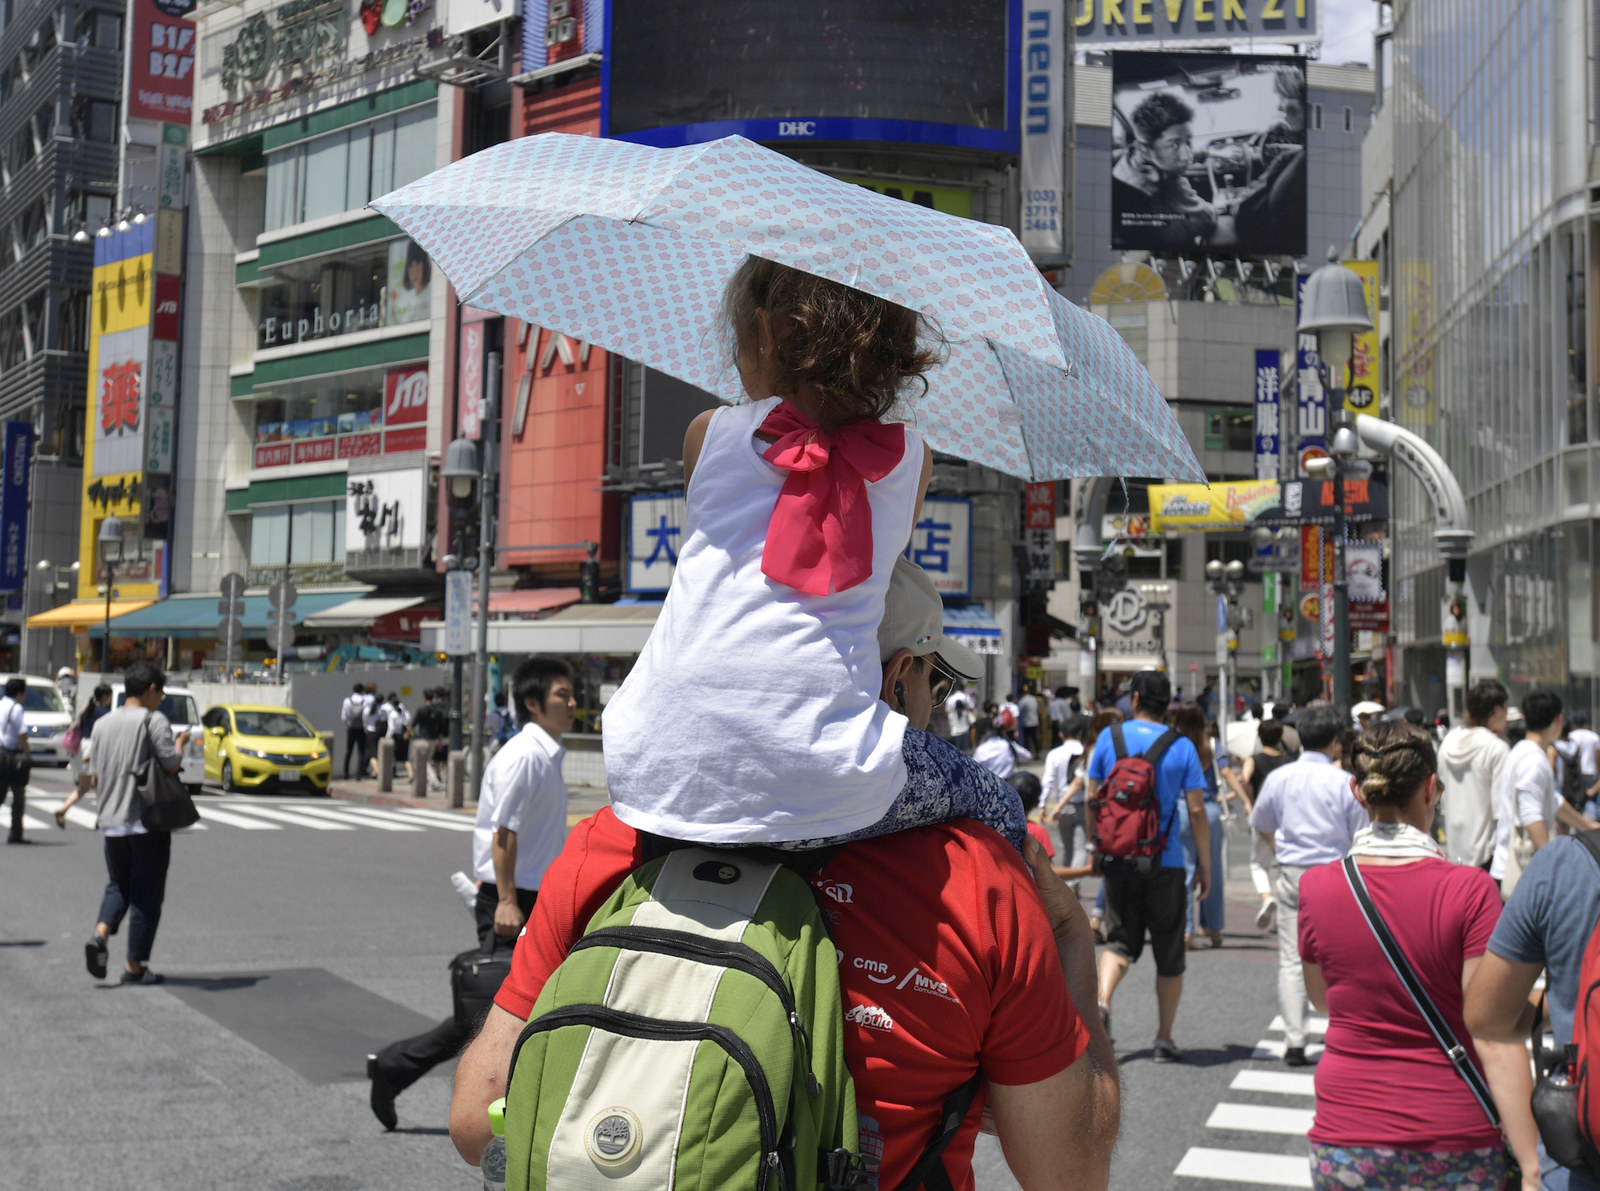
[{"x": 752, "y": 714}]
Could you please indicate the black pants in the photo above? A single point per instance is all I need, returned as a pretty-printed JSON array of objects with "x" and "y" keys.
[
  {"x": 408, "y": 1060},
  {"x": 14, "y": 770},
  {"x": 137, "y": 865},
  {"x": 355, "y": 741}
]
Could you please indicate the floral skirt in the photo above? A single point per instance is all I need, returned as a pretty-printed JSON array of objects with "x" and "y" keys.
[{"x": 1341, "y": 1168}]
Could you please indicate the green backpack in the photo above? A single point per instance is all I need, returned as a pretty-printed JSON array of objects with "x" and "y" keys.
[{"x": 693, "y": 1038}]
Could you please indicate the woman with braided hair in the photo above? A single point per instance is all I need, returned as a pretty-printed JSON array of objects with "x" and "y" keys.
[{"x": 1392, "y": 1109}]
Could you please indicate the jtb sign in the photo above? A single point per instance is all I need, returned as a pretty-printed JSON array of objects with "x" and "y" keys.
[{"x": 1044, "y": 114}]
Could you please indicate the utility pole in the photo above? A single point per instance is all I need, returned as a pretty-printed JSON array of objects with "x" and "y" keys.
[{"x": 488, "y": 505}]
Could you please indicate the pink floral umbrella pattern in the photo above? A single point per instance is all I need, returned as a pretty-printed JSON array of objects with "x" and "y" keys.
[{"x": 629, "y": 247}]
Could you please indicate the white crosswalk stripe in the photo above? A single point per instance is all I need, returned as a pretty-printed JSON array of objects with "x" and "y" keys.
[
  {"x": 1273, "y": 1048},
  {"x": 1261, "y": 1118},
  {"x": 1241, "y": 1166},
  {"x": 1285, "y": 1082},
  {"x": 350, "y": 819},
  {"x": 251, "y": 813},
  {"x": 297, "y": 820},
  {"x": 243, "y": 822}
]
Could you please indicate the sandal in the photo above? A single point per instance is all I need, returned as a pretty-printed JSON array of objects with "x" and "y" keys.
[
  {"x": 94, "y": 957},
  {"x": 61, "y": 817}
]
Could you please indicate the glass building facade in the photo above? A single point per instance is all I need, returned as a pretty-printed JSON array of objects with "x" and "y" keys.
[{"x": 1487, "y": 284}]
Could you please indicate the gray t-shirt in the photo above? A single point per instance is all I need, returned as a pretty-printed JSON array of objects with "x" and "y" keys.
[{"x": 119, "y": 748}]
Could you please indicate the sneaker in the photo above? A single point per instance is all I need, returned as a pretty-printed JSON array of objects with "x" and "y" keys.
[
  {"x": 1105, "y": 1019},
  {"x": 1267, "y": 914},
  {"x": 94, "y": 957},
  {"x": 1164, "y": 1051},
  {"x": 143, "y": 976},
  {"x": 467, "y": 888},
  {"x": 1295, "y": 1056}
]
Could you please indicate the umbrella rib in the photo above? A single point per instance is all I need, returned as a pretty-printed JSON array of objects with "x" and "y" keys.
[{"x": 1022, "y": 423}]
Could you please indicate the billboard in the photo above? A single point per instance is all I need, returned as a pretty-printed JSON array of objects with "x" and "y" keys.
[
  {"x": 161, "y": 61},
  {"x": 1208, "y": 154},
  {"x": 1311, "y": 402},
  {"x": 1044, "y": 118},
  {"x": 1195, "y": 23},
  {"x": 15, "y": 465},
  {"x": 1222, "y": 505},
  {"x": 930, "y": 71},
  {"x": 1361, "y": 377}
]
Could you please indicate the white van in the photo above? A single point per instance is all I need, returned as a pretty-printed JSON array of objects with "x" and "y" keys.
[
  {"x": 178, "y": 705},
  {"x": 45, "y": 717}
]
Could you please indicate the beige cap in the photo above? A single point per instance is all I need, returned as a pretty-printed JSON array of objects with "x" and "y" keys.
[
  {"x": 913, "y": 618},
  {"x": 1367, "y": 707}
]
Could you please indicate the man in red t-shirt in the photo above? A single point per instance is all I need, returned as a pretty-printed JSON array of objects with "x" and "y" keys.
[{"x": 954, "y": 958}]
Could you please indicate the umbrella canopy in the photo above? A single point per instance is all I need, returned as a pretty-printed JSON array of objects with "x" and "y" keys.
[{"x": 629, "y": 247}]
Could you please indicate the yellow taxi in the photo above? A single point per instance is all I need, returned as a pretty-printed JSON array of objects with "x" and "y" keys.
[{"x": 248, "y": 746}]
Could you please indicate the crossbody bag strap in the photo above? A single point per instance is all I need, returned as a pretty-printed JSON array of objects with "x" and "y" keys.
[
  {"x": 929, "y": 1171},
  {"x": 1437, "y": 1025}
]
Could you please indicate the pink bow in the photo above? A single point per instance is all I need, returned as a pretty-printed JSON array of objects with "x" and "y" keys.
[{"x": 820, "y": 537}]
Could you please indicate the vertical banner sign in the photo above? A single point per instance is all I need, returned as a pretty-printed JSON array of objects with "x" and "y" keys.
[
  {"x": 458, "y": 613},
  {"x": 469, "y": 412},
  {"x": 1044, "y": 115},
  {"x": 1269, "y": 400},
  {"x": 1361, "y": 379},
  {"x": 16, "y": 459},
  {"x": 1325, "y": 594},
  {"x": 1312, "y": 420},
  {"x": 1269, "y": 620},
  {"x": 161, "y": 61},
  {"x": 1041, "y": 531}
]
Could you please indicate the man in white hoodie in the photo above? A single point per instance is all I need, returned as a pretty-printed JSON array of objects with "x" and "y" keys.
[{"x": 1470, "y": 764}]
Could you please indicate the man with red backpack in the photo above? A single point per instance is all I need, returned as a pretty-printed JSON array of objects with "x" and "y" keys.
[
  {"x": 1550, "y": 925},
  {"x": 1137, "y": 774}
]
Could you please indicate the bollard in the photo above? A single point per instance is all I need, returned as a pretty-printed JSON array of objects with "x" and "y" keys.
[
  {"x": 456, "y": 777},
  {"x": 419, "y": 767},
  {"x": 385, "y": 765}
]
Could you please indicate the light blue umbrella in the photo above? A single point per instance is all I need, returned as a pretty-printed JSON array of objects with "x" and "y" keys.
[{"x": 629, "y": 247}]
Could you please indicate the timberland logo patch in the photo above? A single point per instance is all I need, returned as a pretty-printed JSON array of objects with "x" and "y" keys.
[{"x": 614, "y": 1138}]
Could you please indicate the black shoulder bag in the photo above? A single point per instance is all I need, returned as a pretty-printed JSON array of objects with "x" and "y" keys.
[{"x": 167, "y": 805}]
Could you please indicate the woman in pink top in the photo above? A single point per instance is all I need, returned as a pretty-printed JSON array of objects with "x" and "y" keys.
[{"x": 1391, "y": 1109}]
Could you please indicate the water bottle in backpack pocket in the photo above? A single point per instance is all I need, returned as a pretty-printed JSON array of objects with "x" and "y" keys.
[{"x": 1128, "y": 831}]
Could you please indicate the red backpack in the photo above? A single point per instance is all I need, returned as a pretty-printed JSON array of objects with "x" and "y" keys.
[{"x": 1127, "y": 810}]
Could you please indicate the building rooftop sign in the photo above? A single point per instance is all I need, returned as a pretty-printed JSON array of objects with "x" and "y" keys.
[{"x": 1167, "y": 24}]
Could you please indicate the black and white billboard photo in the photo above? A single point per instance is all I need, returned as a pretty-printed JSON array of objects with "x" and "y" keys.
[{"x": 1210, "y": 154}]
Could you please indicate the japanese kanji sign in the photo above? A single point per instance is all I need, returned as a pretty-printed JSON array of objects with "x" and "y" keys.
[
  {"x": 655, "y": 536},
  {"x": 1269, "y": 410},
  {"x": 941, "y": 544},
  {"x": 120, "y": 402}
]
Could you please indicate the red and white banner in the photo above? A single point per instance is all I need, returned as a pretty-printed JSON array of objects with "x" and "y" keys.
[{"x": 405, "y": 396}]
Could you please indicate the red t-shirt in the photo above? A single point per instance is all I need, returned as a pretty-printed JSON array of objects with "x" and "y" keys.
[
  {"x": 944, "y": 950},
  {"x": 1384, "y": 1081},
  {"x": 1040, "y": 833}
]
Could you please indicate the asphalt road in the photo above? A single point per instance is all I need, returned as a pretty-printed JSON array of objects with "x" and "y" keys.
[{"x": 300, "y": 934}]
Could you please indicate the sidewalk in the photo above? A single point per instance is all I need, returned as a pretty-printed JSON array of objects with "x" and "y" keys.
[{"x": 582, "y": 801}]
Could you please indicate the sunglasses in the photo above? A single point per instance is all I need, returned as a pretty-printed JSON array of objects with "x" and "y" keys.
[{"x": 943, "y": 680}]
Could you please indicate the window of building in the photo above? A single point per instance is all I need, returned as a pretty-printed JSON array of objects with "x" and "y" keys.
[
  {"x": 1316, "y": 116},
  {"x": 74, "y": 321},
  {"x": 33, "y": 225},
  {"x": 94, "y": 120},
  {"x": 342, "y": 171},
  {"x": 23, "y": 149},
  {"x": 35, "y": 325},
  {"x": 1231, "y": 429},
  {"x": 1349, "y": 120},
  {"x": 90, "y": 210},
  {"x": 376, "y": 285},
  {"x": 348, "y": 404},
  {"x": 12, "y": 346},
  {"x": 98, "y": 28},
  {"x": 311, "y": 531}
]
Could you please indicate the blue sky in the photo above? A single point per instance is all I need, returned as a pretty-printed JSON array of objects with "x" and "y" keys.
[{"x": 1347, "y": 30}]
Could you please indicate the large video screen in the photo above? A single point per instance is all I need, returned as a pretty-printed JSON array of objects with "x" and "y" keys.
[
  {"x": 1209, "y": 154},
  {"x": 685, "y": 62}
]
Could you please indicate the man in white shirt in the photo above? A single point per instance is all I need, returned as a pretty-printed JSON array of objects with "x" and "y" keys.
[
  {"x": 958, "y": 709},
  {"x": 1587, "y": 743},
  {"x": 1028, "y": 717},
  {"x": 1471, "y": 761},
  {"x": 1528, "y": 785},
  {"x": 1309, "y": 814},
  {"x": 521, "y": 825},
  {"x": 997, "y": 754},
  {"x": 1063, "y": 789},
  {"x": 351, "y": 713},
  {"x": 15, "y": 760}
]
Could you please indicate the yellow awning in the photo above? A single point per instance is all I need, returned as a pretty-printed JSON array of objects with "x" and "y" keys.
[{"x": 80, "y": 614}]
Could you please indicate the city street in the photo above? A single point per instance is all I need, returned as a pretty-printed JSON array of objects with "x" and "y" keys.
[{"x": 300, "y": 935}]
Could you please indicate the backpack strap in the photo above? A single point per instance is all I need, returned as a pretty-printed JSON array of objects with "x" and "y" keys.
[
  {"x": 929, "y": 1170},
  {"x": 1158, "y": 751},
  {"x": 1591, "y": 841},
  {"x": 1437, "y": 1025},
  {"x": 1119, "y": 743}
]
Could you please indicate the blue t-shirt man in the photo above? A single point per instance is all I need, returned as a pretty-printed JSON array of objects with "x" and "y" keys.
[
  {"x": 1552, "y": 913},
  {"x": 1179, "y": 771}
]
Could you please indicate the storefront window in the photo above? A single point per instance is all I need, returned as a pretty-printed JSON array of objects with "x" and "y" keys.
[
  {"x": 342, "y": 171},
  {"x": 377, "y": 285},
  {"x": 310, "y": 532},
  {"x": 355, "y": 414}
]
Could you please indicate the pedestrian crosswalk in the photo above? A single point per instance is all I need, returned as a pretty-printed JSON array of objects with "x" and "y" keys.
[
  {"x": 245, "y": 813},
  {"x": 1273, "y": 1111}
]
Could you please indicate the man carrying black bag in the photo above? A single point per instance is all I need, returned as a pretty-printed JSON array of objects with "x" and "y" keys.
[
  {"x": 15, "y": 759},
  {"x": 521, "y": 825},
  {"x": 136, "y": 857}
]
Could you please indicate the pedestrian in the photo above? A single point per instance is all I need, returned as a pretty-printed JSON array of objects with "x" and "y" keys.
[
  {"x": 427, "y": 727},
  {"x": 1587, "y": 742},
  {"x": 1365, "y": 712},
  {"x": 1545, "y": 927},
  {"x": 994, "y": 995},
  {"x": 371, "y": 729},
  {"x": 1103, "y": 719},
  {"x": 521, "y": 821},
  {"x": 1009, "y": 716},
  {"x": 997, "y": 752},
  {"x": 1528, "y": 807},
  {"x": 1064, "y": 782},
  {"x": 1428, "y": 1127},
  {"x": 1149, "y": 895},
  {"x": 1471, "y": 762},
  {"x": 959, "y": 709},
  {"x": 398, "y": 727},
  {"x": 67, "y": 684},
  {"x": 1307, "y": 814},
  {"x": 1516, "y": 726},
  {"x": 1030, "y": 789},
  {"x": 16, "y": 760},
  {"x": 136, "y": 858},
  {"x": 800, "y": 548},
  {"x": 442, "y": 741},
  {"x": 351, "y": 714},
  {"x": 1060, "y": 709},
  {"x": 1191, "y": 722},
  {"x": 1028, "y": 718},
  {"x": 1270, "y": 755},
  {"x": 97, "y": 708}
]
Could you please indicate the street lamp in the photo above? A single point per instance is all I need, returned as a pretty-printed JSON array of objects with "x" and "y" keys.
[
  {"x": 460, "y": 475},
  {"x": 1227, "y": 581},
  {"x": 110, "y": 538},
  {"x": 1334, "y": 309}
]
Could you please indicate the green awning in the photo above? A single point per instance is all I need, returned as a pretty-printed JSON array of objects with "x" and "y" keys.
[{"x": 196, "y": 616}]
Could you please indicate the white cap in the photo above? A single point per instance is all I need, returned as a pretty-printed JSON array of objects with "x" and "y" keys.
[
  {"x": 64, "y": 672},
  {"x": 1366, "y": 707},
  {"x": 913, "y": 618}
]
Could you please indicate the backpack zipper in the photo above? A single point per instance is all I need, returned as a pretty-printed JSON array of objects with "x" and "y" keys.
[
  {"x": 738, "y": 956},
  {"x": 632, "y": 1025}
]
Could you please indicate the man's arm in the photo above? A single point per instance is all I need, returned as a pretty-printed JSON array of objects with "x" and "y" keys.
[
  {"x": 1201, "y": 829},
  {"x": 480, "y": 1081},
  {"x": 507, "y": 914},
  {"x": 1566, "y": 814},
  {"x": 1497, "y": 1006}
]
